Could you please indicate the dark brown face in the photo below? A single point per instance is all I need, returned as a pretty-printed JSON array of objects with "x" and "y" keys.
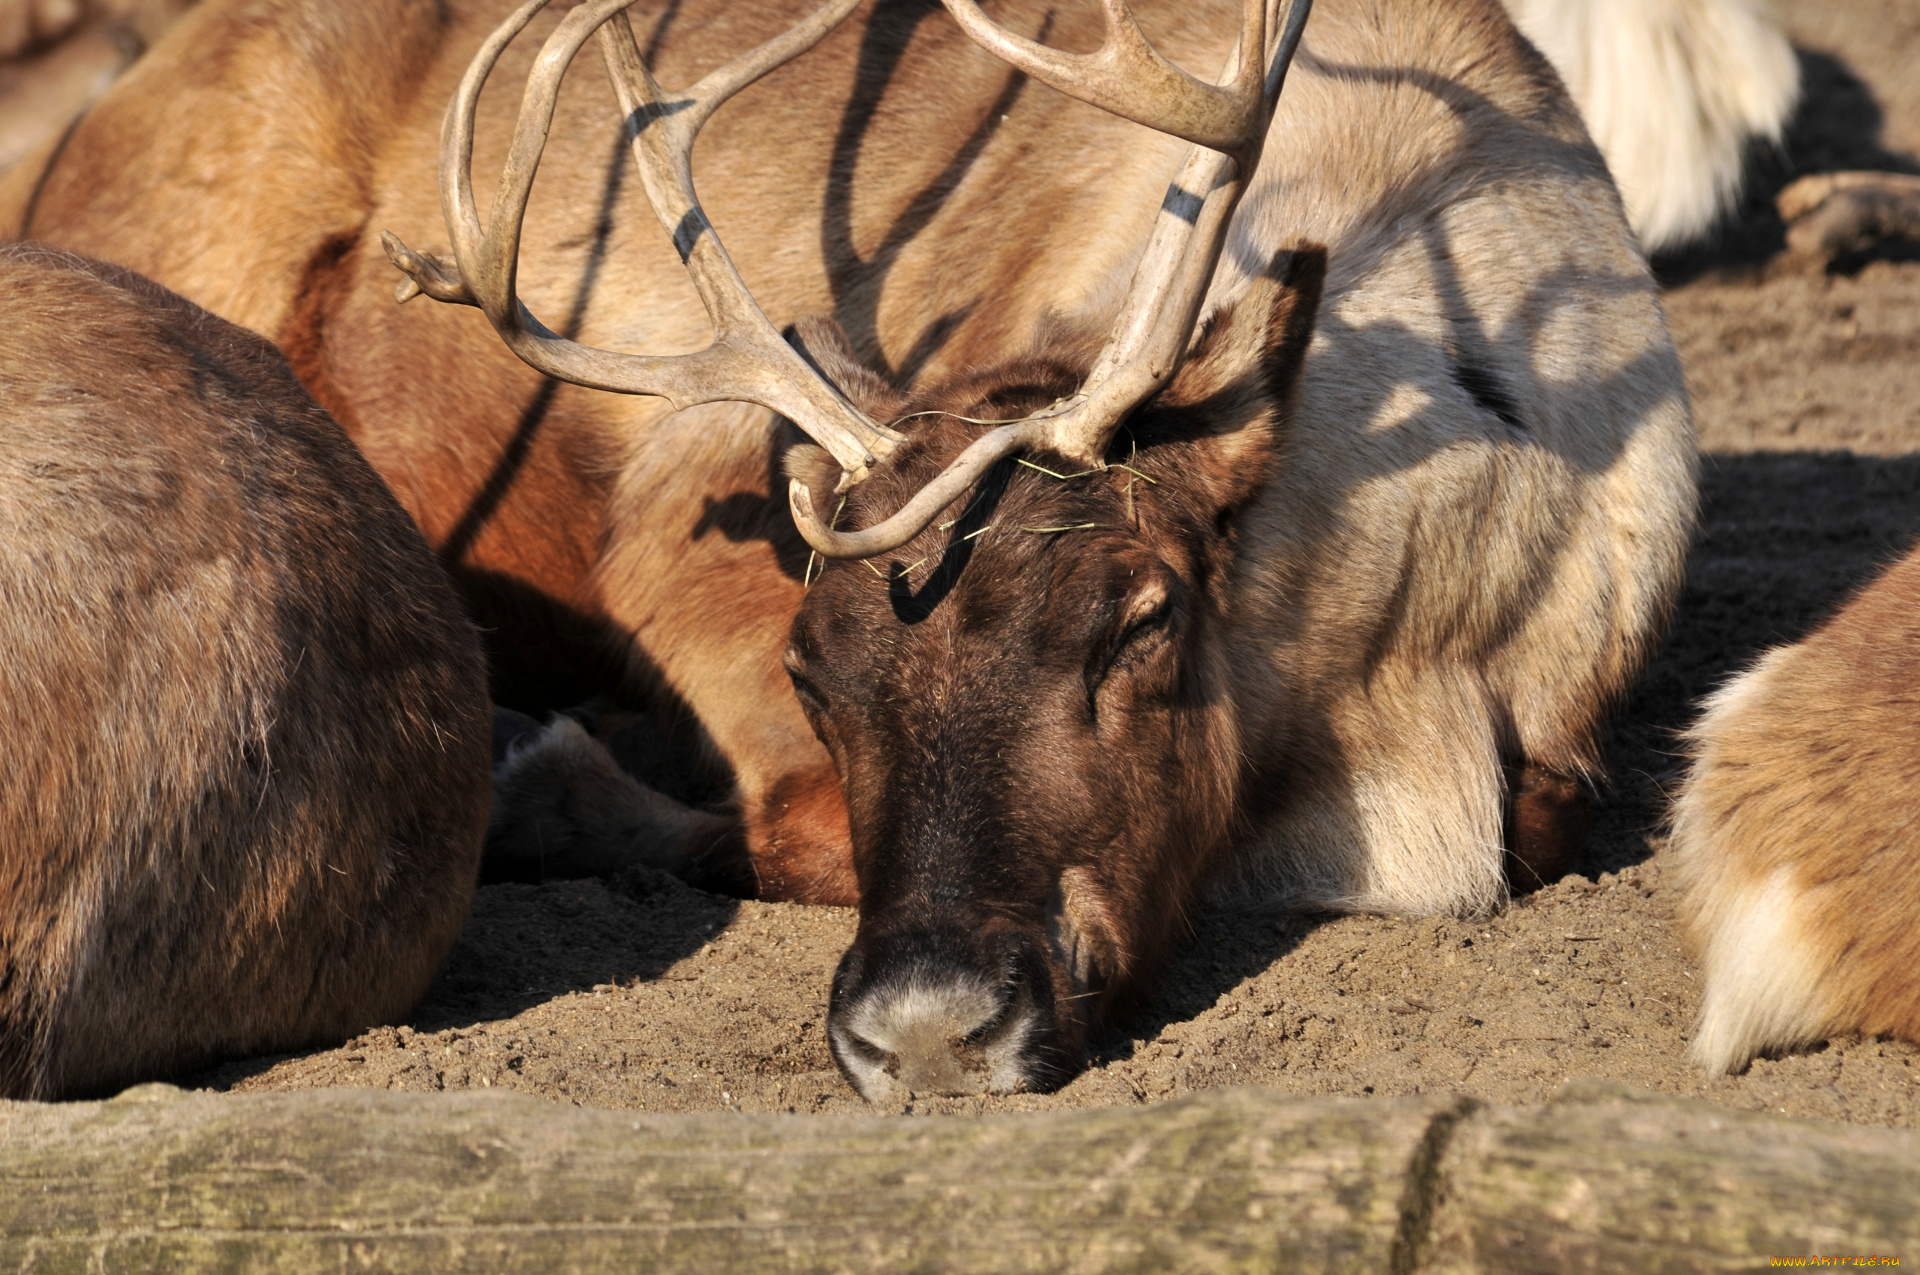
[{"x": 1031, "y": 714}]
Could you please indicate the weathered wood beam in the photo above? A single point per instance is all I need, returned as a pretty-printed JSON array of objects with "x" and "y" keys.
[
  {"x": 1245, "y": 1179},
  {"x": 1607, "y": 1178}
]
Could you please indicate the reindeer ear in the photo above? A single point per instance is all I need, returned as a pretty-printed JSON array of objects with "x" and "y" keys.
[
  {"x": 1227, "y": 406},
  {"x": 824, "y": 344},
  {"x": 815, "y": 467}
]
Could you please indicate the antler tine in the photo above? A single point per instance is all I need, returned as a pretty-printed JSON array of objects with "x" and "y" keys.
[
  {"x": 1155, "y": 325},
  {"x": 1171, "y": 282},
  {"x": 748, "y": 360},
  {"x": 1127, "y": 76},
  {"x": 926, "y": 504}
]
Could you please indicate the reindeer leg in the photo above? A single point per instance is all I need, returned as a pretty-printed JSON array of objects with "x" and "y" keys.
[
  {"x": 798, "y": 837},
  {"x": 1548, "y": 816},
  {"x": 562, "y": 807}
]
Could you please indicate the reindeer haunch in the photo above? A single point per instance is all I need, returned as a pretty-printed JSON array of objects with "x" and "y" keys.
[
  {"x": 1795, "y": 836},
  {"x": 247, "y": 767}
]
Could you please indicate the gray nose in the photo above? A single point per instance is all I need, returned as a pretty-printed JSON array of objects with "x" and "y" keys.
[{"x": 920, "y": 1035}]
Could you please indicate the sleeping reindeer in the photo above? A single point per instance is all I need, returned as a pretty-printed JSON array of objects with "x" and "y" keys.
[
  {"x": 1283, "y": 490},
  {"x": 248, "y": 739},
  {"x": 1309, "y": 542},
  {"x": 1797, "y": 836}
]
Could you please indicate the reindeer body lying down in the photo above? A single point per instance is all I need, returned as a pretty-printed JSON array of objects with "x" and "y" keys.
[
  {"x": 1673, "y": 91},
  {"x": 247, "y": 740},
  {"x": 1409, "y": 516},
  {"x": 1797, "y": 836}
]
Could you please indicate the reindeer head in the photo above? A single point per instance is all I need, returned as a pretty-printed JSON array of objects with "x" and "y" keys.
[{"x": 1027, "y": 703}]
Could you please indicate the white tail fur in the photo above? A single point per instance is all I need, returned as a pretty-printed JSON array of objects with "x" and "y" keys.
[{"x": 1672, "y": 91}]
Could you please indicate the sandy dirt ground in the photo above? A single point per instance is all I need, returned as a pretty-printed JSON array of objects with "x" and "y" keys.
[{"x": 641, "y": 993}]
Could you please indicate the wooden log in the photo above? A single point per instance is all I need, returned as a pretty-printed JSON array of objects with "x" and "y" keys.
[
  {"x": 1243, "y": 1179},
  {"x": 1607, "y": 1178},
  {"x": 386, "y": 1181}
]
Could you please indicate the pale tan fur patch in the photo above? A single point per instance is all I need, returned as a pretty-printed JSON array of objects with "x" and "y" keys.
[
  {"x": 1762, "y": 979},
  {"x": 1797, "y": 836}
]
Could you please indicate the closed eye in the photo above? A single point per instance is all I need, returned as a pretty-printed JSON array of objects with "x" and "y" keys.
[
  {"x": 809, "y": 695},
  {"x": 1153, "y": 624},
  {"x": 1132, "y": 643}
]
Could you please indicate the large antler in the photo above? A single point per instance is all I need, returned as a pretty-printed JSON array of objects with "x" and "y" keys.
[
  {"x": 1228, "y": 125},
  {"x": 748, "y": 361}
]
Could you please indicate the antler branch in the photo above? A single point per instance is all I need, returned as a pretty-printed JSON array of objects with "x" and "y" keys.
[
  {"x": 1155, "y": 325},
  {"x": 748, "y": 360},
  {"x": 1126, "y": 76}
]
